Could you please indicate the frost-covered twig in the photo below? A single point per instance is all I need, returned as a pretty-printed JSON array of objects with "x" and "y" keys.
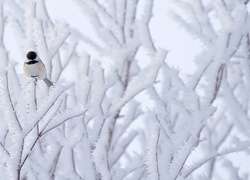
[
  {"x": 123, "y": 148},
  {"x": 63, "y": 121},
  {"x": 224, "y": 40},
  {"x": 11, "y": 102},
  {"x": 3, "y": 149},
  {"x": 59, "y": 44},
  {"x": 142, "y": 81},
  {"x": 47, "y": 123},
  {"x": 46, "y": 111},
  {"x": 1, "y": 23},
  {"x": 53, "y": 169},
  {"x": 153, "y": 152},
  {"x": 39, "y": 136},
  {"x": 19, "y": 166},
  {"x": 240, "y": 147},
  {"x": 218, "y": 81}
]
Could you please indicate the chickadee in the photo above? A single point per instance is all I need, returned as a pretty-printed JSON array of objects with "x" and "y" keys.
[{"x": 34, "y": 67}]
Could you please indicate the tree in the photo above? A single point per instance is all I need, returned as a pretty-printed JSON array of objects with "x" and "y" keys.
[{"x": 88, "y": 125}]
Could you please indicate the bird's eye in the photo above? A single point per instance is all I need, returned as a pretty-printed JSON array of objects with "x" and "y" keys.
[{"x": 31, "y": 55}]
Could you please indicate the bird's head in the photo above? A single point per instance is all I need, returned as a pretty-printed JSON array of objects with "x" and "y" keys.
[{"x": 31, "y": 55}]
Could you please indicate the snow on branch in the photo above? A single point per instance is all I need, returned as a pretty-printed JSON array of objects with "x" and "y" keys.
[
  {"x": 241, "y": 146},
  {"x": 7, "y": 101},
  {"x": 218, "y": 80},
  {"x": 94, "y": 122},
  {"x": 142, "y": 80}
]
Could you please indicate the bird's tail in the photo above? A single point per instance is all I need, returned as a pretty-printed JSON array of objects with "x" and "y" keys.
[{"x": 48, "y": 82}]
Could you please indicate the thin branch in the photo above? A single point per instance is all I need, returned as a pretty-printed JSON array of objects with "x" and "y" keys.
[
  {"x": 107, "y": 160},
  {"x": 11, "y": 103},
  {"x": 124, "y": 22},
  {"x": 59, "y": 45},
  {"x": 218, "y": 82},
  {"x": 58, "y": 108},
  {"x": 237, "y": 47},
  {"x": 104, "y": 16},
  {"x": 52, "y": 104},
  {"x": 44, "y": 37},
  {"x": 53, "y": 169},
  {"x": 5, "y": 136},
  {"x": 157, "y": 152},
  {"x": 70, "y": 56},
  {"x": 59, "y": 66},
  {"x": 74, "y": 163},
  {"x": 239, "y": 147},
  {"x": 113, "y": 125},
  {"x": 130, "y": 18},
  {"x": 228, "y": 39},
  {"x": 19, "y": 167},
  {"x": 124, "y": 148},
  {"x": 133, "y": 170},
  {"x": 2, "y": 21},
  {"x": 4, "y": 148},
  {"x": 35, "y": 100},
  {"x": 78, "y": 115},
  {"x": 226, "y": 135},
  {"x": 41, "y": 134},
  {"x": 26, "y": 157},
  {"x": 125, "y": 127},
  {"x": 201, "y": 75},
  {"x": 147, "y": 38},
  {"x": 63, "y": 67},
  {"x": 162, "y": 127},
  {"x": 145, "y": 80}
]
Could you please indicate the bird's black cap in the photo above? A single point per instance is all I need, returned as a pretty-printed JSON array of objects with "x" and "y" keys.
[{"x": 31, "y": 55}]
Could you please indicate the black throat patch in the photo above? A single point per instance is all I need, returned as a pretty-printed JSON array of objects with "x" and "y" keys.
[{"x": 32, "y": 62}]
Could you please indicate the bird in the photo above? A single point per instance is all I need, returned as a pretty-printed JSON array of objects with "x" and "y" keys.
[{"x": 34, "y": 67}]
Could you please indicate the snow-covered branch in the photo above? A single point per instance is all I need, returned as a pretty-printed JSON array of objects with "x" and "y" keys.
[{"x": 109, "y": 115}]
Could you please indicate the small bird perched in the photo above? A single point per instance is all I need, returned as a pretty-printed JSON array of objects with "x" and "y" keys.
[{"x": 34, "y": 67}]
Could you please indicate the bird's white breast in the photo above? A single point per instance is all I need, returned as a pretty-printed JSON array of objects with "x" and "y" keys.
[{"x": 35, "y": 70}]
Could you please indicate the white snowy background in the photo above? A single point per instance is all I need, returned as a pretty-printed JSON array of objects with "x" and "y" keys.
[{"x": 144, "y": 89}]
